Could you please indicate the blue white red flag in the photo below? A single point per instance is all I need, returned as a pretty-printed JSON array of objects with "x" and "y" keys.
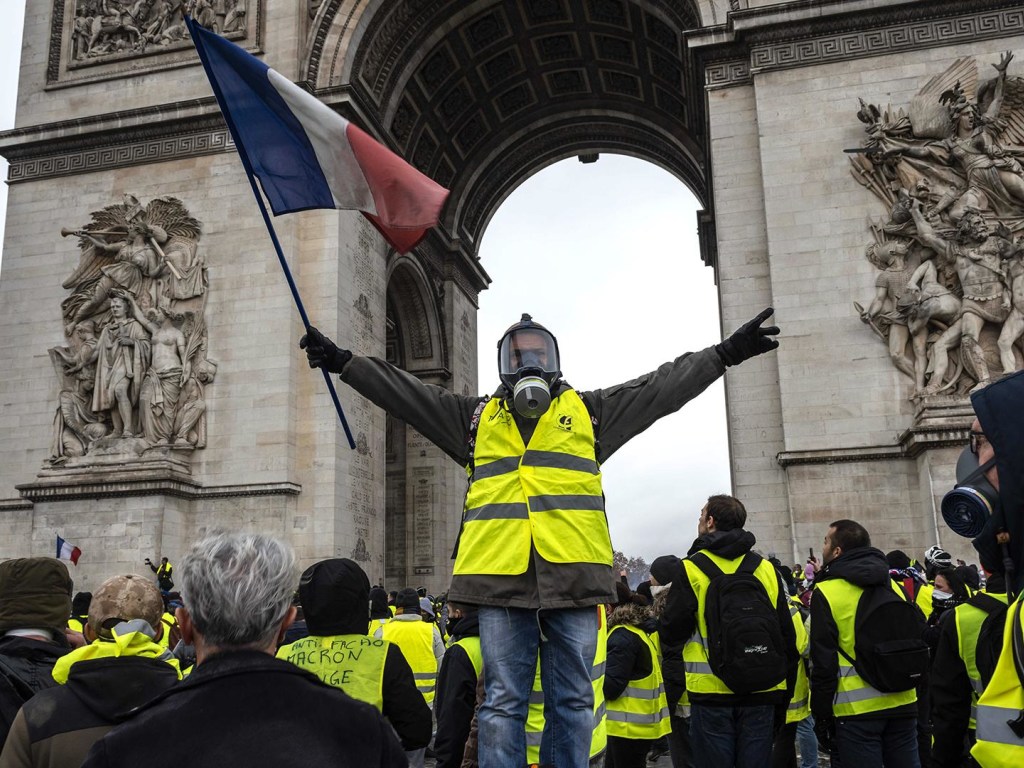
[
  {"x": 308, "y": 156},
  {"x": 67, "y": 551}
]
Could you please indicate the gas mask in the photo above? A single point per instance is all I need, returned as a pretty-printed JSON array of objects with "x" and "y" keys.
[
  {"x": 528, "y": 366},
  {"x": 969, "y": 506}
]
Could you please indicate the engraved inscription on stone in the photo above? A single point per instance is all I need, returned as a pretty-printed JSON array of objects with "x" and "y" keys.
[
  {"x": 422, "y": 516},
  {"x": 133, "y": 375},
  {"x": 949, "y": 293}
]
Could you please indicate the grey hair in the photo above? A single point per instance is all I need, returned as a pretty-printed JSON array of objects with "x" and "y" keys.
[{"x": 238, "y": 587}]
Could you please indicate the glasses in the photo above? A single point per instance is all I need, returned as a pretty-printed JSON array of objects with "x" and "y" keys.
[{"x": 977, "y": 440}]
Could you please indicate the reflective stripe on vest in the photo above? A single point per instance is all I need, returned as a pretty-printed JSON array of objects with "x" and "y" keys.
[
  {"x": 416, "y": 641},
  {"x": 969, "y": 620},
  {"x": 535, "y": 712},
  {"x": 699, "y": 677},
  {"x": 1001, "y": 703},
  {"x": 853, "y": 694},
  {"x": 353, "y": 663},
  {"x": 800, "y": 705},
  {"x": 641, "y": 710},
  {"x": 548, "y": 497}
]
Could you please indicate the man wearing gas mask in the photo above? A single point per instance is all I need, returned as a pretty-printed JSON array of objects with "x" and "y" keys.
[
  {"x": 987, "y": 504},
  {"x": 534, "y": 550}
]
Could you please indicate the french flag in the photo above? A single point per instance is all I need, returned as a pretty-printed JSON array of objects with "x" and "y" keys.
[
  {"x": 308, "y": 156},
  {"x": 67, "y": 551}
]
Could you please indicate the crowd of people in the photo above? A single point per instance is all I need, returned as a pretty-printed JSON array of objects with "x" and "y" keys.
[{"x": 537, "y": 655}]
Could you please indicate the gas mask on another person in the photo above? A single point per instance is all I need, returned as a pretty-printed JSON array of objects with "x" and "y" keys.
[
  {"x": 528, "y": 366},
  {"x": 969, "y": 506}
]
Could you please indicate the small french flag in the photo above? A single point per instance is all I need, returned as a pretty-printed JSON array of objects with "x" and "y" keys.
[{"x": 67, "y": 551}]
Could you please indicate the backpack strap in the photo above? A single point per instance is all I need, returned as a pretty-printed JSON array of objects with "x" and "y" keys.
[
  {"x": 987, "y": 603},
  {"x": 474, "y": 426},
  {"x": 1018, "y": 650},
  {"x": 706, "y": 565},
  {"x": 751, "y": 561}
]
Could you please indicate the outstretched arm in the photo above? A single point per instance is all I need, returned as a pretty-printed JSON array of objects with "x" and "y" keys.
[{"x": 926, "y": 233}]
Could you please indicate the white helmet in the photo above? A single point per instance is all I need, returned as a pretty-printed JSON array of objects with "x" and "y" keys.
[{"x": 938, "y": 557}]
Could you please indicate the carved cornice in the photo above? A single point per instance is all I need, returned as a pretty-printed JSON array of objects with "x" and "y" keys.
[
  {"x": 802, "y": 34},
  {"x": 55, "y": 489},
  {"x": 13, "y": 505}
]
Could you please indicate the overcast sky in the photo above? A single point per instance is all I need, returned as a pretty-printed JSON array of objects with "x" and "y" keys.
[{"x": 605, "y": 255}]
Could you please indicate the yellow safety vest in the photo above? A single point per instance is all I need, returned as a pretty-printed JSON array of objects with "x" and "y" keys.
[
  {"x": 471, "y": 645},
  {"x": 548, "y": 496},
  {"x": 1002, "y": 703},
  {"x": 800, "y": 705},
  {"x": 535, "y": 712},
  {"x": 641, "y": 712},
  {"x": 923, "y": 598},
  {"x": 699, "y": 677},
  {"x": 416, "y": 641},
  {"x": 376, "y": 624},
  {"x": 353, "y": 663},
  {"x": 969, "y": 620},
  {"x": 170, "y": 622},
  {"x": 77, "y": 624},
  {"x": 854, "y": 696}
]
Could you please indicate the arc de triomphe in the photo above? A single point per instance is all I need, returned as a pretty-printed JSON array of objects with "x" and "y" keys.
[{"x": 150, "y": 383}]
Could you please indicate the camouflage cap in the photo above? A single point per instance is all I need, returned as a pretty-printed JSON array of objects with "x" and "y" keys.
[
  {"x": 123, "y": 598},
  {"x": 35, "y": 592}
]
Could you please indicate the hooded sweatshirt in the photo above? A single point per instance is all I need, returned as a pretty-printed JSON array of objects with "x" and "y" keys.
[
  {"x": 862, "y": 567},
  {"x": 999, "y": 410},
  {"x": 455, "y": 701},
  {"x": 100, "y": 684},
  {"x": 628, "y": 656}
]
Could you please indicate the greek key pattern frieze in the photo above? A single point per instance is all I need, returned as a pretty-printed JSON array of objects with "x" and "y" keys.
[
  {"x": 726, "y": 74},
  {"x": 906, "y": 36},
  {"x": 104, "y": 158}
]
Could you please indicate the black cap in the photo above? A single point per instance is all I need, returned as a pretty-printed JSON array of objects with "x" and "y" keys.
[
  {"x": 408, "y": 600},
  {"x": 335, "y": 596}
]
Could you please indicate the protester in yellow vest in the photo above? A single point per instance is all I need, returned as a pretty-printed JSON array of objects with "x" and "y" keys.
[
  {"x": 663, "y": 570},
  {"x": 455, "y": 701},
  {"x": 419, "y": 641},
  {"x": 729, "y": 725},
  {"x": 79, "y": 611},
  {"x": 335, "y": 597},
  {"x": 1001, "y": 706},
  {"x": 534, "y": 549},
  {"x": 799, "y": 707},
  {"x": 634, "y": 688},
  {"x": 957, "y": 679},
  {"x": 851, "y": 717}
]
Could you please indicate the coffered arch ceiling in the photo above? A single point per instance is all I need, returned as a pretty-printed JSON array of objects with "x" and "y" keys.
[{"x": 480, "y": 94}]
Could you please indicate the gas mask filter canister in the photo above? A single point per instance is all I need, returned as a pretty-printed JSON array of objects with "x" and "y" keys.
[{"x": 973, "y": 501}]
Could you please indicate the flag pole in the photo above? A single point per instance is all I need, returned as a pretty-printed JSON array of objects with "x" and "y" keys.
[
  {"x": 298, "y": 303},
  {"x": 266, "y": 219}
]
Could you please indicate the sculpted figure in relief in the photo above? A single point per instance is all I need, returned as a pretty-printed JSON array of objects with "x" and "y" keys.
[
  {"x": 142, "y": 283},
  {"x": 949, "y": 174}
]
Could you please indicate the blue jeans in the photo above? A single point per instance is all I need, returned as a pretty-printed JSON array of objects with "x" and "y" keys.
[
  {"x": 808, "y": 742},
  {"x": 723, "y": 737},
  {"x": 510, "y": 639},
  {"x": 889, "y": 742}
]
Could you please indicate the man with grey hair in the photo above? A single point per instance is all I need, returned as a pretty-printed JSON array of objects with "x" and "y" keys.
[{"x": 242, "y": 706}]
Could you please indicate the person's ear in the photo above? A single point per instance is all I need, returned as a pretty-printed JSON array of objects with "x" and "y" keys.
[
  {"x": 289, "y": 619},
  {"x": 185, "y": 625},
  {"x": 90, "y": 636}
]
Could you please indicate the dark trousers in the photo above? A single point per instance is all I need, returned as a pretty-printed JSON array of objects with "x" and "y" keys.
[
  {"x": 732, "y": 737},
  {"x": 784, "y": 748},
  {"x": 679, "y": 743},
  {"x": 881, "y": 742},
  {"x": 627, "y": 753}
]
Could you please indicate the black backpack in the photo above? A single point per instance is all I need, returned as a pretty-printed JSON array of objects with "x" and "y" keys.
[
  {"x": 990, "y": 638},
  {"x": 745, "y": 646},
  {"x": 889, "y": 629}
]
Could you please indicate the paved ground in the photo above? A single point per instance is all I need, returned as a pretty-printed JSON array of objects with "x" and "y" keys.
[{"x": 662, "y": 762}]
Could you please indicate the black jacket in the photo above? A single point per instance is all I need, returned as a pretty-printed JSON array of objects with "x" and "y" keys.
[
  {"x": 455, "y": 699},
  {"x": 950, "y": 691},
  {"x": 59, "y": 725},
  {"x": 679, "y": 621},
  {"x": 863, "y": 567},
  {"x": 249, "y": 709},
  {"x": 628, "y": 655},
  {"x": 25, "y": 669}
]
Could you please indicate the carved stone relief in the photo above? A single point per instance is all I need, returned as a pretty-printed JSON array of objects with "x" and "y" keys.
[
  {"x": 949, "y": 294},
  {"x": 133, "y": 375}
]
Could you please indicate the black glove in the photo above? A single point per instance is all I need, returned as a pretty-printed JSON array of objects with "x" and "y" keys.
[
  {"x": 322, "y": 352},
  {"x": 825, "y": 730},
  {"x": 749, "y": 340}
]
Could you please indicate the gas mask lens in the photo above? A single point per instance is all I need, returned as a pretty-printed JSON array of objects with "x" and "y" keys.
[
  {"x": 528, "y": 366},
  {"x": 973, "y": 501}
]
